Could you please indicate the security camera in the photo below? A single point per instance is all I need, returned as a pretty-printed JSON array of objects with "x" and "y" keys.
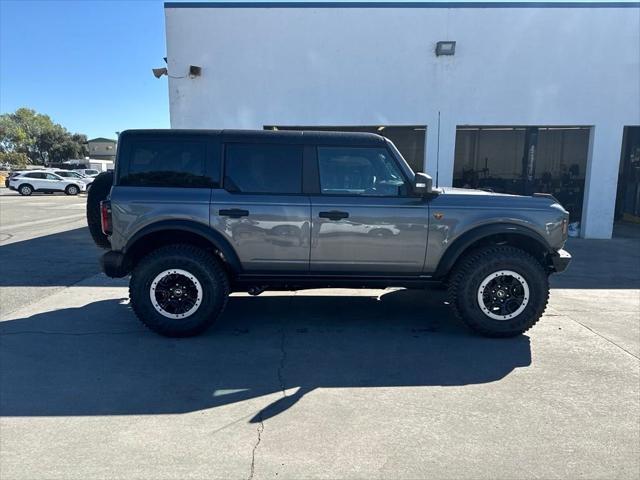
[{"x": 158, "y": 72}]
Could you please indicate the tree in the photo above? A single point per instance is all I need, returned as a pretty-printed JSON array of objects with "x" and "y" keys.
[
  {"x": 40, "y": 139},
  {"x": 14, "y": 159}
]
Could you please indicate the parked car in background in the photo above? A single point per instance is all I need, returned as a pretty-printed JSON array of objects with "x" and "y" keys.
[
  {"x": 45, "y": 181},
  {"x": 89, "y": 172},
  {"x": 10, "y": 176},
  {"x": 71, "y": 175}
]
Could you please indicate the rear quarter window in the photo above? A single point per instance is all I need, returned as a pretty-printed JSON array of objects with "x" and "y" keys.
[{"x": 165, "y": 162}]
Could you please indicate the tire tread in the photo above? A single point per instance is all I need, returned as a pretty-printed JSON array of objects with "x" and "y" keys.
[
  {"x": 205, "y": 259},
  {"x": 462, "y": 305},
  {"x": 99, "y": 191}
]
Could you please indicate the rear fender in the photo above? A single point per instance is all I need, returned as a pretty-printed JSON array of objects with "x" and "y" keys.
[{"x": 214, "y": 238}]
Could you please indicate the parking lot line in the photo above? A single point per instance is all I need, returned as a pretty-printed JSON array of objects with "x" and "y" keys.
[{"x": 40, "y": 222}]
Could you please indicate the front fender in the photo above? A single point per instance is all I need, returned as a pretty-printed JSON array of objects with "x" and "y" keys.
[{"x": 474, "y": 235}]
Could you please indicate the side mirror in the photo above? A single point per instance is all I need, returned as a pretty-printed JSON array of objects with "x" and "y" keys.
[{"x": 422, "y": 184}]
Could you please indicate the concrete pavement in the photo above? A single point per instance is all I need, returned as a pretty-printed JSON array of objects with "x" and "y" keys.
[
  {"x": 44, "y": 246},
  {"x": 323, "y": 384}
]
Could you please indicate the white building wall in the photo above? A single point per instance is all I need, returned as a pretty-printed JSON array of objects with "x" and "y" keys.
[{"x": 372, "y": 65}]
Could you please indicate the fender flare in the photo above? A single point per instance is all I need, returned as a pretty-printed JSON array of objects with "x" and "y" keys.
[
  {"x": 467, "y": 239},
  {"x": 215, "y": 238}
]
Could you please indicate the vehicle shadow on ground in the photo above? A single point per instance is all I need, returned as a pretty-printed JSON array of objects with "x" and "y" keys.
[
  {"x": 59, "y": 259},
  {"x": 97, "y": 360}
]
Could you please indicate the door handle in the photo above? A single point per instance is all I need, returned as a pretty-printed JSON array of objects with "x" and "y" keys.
[
  {"x": 233, "y": 213},
  {"x": 334, "y": 215}
]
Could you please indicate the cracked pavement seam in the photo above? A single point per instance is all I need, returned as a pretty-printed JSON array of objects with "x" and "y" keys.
[
  {"x": 255, "y": 447},
  {"x": 603, "y": 337},
  {"x": 281, "y": 381},
  {"x": 283, "y": 359}
]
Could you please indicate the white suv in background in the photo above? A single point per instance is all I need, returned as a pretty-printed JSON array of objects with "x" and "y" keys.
[
  {"x": 89, "y": 172},
  {"x": 73, "y": 175},
  {"x": 45, "y": 181}
]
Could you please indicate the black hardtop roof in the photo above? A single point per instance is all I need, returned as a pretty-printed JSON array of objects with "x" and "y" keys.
[{"x": 274, "y": 136}]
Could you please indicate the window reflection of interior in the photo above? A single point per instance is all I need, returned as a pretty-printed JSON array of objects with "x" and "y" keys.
[{"x": 358, "y": 171}]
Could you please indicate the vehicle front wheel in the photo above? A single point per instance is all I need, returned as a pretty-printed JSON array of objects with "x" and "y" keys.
[
  {"x": 178, "y": 290},
  {"x": 499, "y": 291},
  {"x": 25, "y": 190},
  {"x": 72, "y": 190}
]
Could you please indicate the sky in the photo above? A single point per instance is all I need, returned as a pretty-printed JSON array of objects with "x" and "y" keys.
[{"x": 85, "y": 63}]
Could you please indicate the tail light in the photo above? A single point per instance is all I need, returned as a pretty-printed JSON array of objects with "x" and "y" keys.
[
  {"x": 105, "y": 217},
  {"x": 565, "y": 227}
]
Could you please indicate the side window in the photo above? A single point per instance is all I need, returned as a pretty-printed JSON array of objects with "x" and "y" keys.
[
  {"x": 365, "y": 171},
  {"x": 35, "y": 175},
  {"x": 166, "y": 162},
  {"x": 263, "y": 168},
  {"x": 51, "y": 176}
]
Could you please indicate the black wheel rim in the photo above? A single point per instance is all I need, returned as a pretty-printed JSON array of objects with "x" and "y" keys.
[
  {"x": 176, "y": 293},
  {"x": 503, "y": 295}
]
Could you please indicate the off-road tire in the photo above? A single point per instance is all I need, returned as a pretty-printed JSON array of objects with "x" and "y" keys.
[
  {"x": 99, "y": 191},
  {"x": 473, "y": 268},
  {"x": 72, "y": 188},
  {"x": 207, "y": 270},
  {"x": 25, "y": 190}
]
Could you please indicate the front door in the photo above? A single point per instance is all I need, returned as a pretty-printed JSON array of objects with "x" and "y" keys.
[
  {"x": 52, "y": 182},
  {"x": 364, "y": 221},
  {"x": 261, "y": 209}
]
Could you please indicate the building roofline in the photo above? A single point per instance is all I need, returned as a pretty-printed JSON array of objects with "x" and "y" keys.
[{"x": 401, "y": 4}]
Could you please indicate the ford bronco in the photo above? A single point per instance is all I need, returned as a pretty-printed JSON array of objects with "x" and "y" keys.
[{"x": 193, "y": 215}]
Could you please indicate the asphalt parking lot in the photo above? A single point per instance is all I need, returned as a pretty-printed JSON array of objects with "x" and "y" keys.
[{"x": 315, "y": 384}]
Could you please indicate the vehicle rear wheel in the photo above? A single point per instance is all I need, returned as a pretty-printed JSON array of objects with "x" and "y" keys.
[
  {"x": 178, "y": 290},
  {"x": 25, "y": 190},
  {"x": 72, "y": 190},
  {"x": 499, "y": 291},
  {"x": 99, "y": 191}
]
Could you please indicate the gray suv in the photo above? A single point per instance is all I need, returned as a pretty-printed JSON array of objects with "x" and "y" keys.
[{"x": 196, "y": 214}]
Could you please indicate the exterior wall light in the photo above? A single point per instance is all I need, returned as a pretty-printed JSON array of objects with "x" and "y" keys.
[{"x": 445, "y": 48}]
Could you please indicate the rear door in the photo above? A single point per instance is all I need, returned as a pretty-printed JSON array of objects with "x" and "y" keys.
[
  {"x": 261, "y": 208},
  {"x": 37, "y": 180},
  {"x": 364, "y": 220}
]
